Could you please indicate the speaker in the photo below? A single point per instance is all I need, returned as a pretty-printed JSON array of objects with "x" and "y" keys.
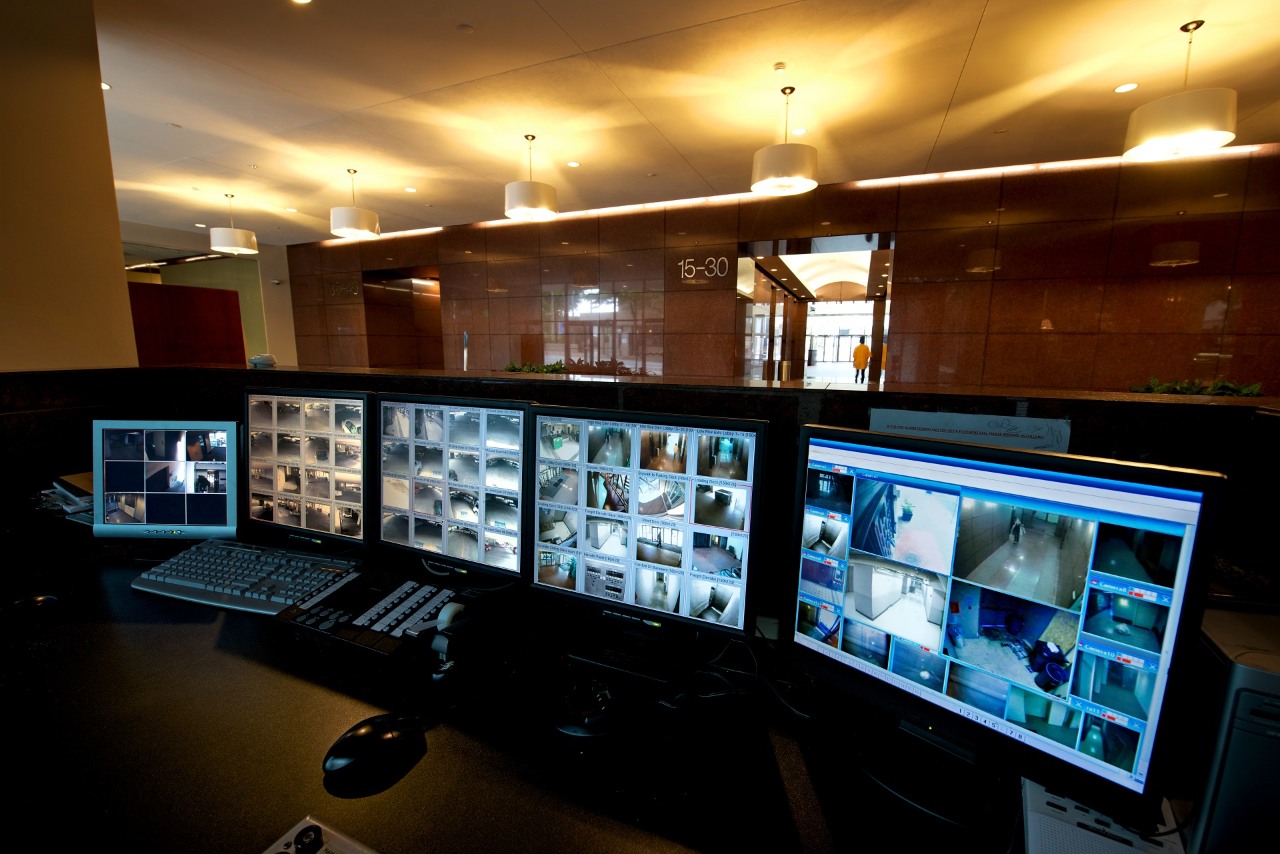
[{"x": 1235, "y": 810}]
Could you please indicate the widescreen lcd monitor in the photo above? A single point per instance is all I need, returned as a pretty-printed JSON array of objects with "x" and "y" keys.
[
  {"x": 1046, "y": 598},
  {"x": 165, "y": 479},
  {"x": 648, "y": 515},
  {"x": 307, "y": 467},
  {"x": 452, "y": 481}
]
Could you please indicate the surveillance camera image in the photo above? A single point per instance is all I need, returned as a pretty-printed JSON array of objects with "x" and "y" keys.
[
  {"x": 306, "y": 458},
  {"x": 451, "y": 478}
]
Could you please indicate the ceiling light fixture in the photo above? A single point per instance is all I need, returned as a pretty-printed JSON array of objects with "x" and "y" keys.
[
  {"x": 352, "y": 221},
  {"x": 233, "y": 241},
  {"x": 787, "y": 168},
  {"x": 530, "y": 201},
  {"x": 1189, "y": 122}
]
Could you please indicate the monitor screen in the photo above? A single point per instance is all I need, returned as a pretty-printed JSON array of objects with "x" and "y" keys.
[
  {"x": 649, "y": 515},
  {"x": 453, "y": 481},
  {"x": 307, "y": 466},
  {"x": 165, "y": 479},
  {"x": 1045, "y": 598}
]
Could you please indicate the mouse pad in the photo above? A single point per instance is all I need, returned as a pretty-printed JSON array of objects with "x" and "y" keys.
[{"x": 310, "y": 836}]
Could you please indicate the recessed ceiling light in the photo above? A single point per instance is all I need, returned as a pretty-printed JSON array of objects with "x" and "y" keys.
[
  {"x": 799, "y": 131},
  {"x": 1125, "y": 87},
  {"x": 411, "y": 189},
  {"x": 302, "y": 2},
  {"x": 201, "y": 225},
  {"x": 573, "y": 164},
  {"x": 465, "y": 28},
  {"x": 291, "y": 210},
  {"x": 1220, "y": 195},
  {"x": 105, "y": 85}
]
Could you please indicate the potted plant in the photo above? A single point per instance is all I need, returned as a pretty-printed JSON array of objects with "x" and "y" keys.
[{"x": 908, "y": 510}]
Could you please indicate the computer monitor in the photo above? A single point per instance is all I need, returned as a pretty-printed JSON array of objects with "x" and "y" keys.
[
  {"x": 649, "y": 517},
  {"x": 453, "y": 482},
  {"x": 1033, "y": 610},
  {"x": 165, "y": 479},
  {"x": 307, "y": 468}
]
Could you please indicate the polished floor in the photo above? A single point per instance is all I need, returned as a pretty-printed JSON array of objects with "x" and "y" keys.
[{"x": 1031, "y": 568}]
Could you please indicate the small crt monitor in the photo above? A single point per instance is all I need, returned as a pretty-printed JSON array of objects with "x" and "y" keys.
[
  {"x": 165, "y": 479},
  {"x": 453, "y": 482},
  {"x": 1042, "y": 606}
]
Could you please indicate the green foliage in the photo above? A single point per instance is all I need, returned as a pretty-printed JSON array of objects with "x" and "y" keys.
[
  {"x": 1218, "y": 388},
  {"x": 556, "y": 367},
  {"x": 577, "y": 366}
]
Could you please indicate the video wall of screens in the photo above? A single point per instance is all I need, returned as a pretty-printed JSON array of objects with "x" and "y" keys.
[
  {"x": 453, "y": 481},
  {"x": 159, "y": 479},
  {"x": 306, "y": 463},
  {"x": 1042, "y": 596},
  {"x": 647, "y": 512}
]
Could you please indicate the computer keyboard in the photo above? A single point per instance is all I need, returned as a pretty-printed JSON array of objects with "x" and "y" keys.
[{"x": 241, "y": 576}]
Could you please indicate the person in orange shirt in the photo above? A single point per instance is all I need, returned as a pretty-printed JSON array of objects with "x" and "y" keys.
[{"x": 861, "y": 356}]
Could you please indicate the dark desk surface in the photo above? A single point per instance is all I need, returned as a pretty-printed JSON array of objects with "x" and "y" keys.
[{"x": 162, "y": 725}]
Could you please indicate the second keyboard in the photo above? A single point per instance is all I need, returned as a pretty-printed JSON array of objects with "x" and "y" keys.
[{"x": 242, "y": 576}]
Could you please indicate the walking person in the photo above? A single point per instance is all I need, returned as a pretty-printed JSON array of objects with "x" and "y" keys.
[{"x": 861, "y": 356}]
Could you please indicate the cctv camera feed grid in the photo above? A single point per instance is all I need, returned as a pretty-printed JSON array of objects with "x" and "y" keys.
[
  {"x": 159, "y": 477},
  {"x": 306, "y": 463},
  {"x": 451, "y": 480},
  {"x": 1041, "y": 606},
  {"x": 649, "y": 515}
]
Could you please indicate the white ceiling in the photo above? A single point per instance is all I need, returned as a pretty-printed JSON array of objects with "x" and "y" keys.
[{"x": 659, "y": 100}]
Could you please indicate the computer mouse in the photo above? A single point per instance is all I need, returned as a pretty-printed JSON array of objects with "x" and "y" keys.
[{"x": 374, "y": 754}]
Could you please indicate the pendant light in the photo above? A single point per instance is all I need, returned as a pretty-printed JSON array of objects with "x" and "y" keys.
[
  {"x": 785, "y": 169},
  {"x": 233, "y": 241},
  {"x": 530, "y": 200},
  {"x": 1189, "y": 122},
  {"x": 353, "y": 221}
]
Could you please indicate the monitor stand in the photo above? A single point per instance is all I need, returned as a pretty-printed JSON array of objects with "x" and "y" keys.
[
  {"x": 589, "y": 709},
  {"x": 903, "y": 778}
]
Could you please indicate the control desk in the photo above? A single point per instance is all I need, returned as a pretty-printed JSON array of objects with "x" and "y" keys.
[{"x": 157, "y": 724}]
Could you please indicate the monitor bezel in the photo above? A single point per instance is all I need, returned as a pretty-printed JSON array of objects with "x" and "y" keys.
[
  {"x": 167, "y": 531},
  {"x": 465, "y": 571},
  {"x": 597, "y": 611},
  {"x": 277, "y": 534},
  {"x": 995, "y": 752}
]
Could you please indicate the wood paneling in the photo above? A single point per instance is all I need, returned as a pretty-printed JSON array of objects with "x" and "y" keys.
[{"x": 179, "y": 325}]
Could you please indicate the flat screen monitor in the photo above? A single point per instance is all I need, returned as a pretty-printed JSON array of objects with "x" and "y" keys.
[
  {"x": 452, "y": 482},
  {"x": 165, "y": 479},
  {"x": 307, "y": 467},
  {"x": 1041, "y": 604},
  {"x": 649, "y": 516}
]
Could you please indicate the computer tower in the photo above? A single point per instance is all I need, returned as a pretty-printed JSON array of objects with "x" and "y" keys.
[{"x": 1236, "y": 809}]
